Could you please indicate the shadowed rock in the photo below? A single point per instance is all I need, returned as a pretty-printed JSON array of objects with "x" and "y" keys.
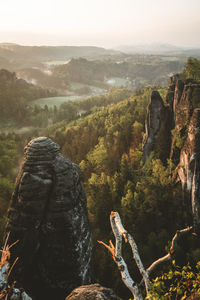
[
  {"x": 158, "y": 127},
  {"x": 48, "y": 215},
  {"x": 92, "y": 292}
]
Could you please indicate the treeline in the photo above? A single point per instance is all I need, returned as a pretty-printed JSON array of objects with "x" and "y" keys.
[
  {"x": 192, "y": 69},
  {"x": 72, "y": 110}
]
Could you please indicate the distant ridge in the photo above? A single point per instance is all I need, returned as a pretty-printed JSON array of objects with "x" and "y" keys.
[
  {"x": 52, "y": 52},
  {"x": 159, "y": 49}
]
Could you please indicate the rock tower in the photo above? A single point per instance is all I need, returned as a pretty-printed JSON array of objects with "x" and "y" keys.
[{"x": 48, "y": 215}]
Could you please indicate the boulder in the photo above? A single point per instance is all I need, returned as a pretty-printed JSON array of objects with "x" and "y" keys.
[{"x": 92, "y": 292}]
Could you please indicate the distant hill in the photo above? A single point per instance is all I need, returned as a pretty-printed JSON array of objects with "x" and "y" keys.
[
  {"x": 95, "y": 72},
  {"x": 159, "y": 49},
  {"x": 42, "y": 53},
  {"x": 59, "y": 67},
  {"x": 85, "y": 71}
]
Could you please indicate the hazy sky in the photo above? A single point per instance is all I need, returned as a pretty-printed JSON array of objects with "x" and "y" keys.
[{"x": 106, "y": 23}]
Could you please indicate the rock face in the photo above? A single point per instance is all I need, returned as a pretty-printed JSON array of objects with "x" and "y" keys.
[
  {"x": 189, "y": 100},
  {"x": 174, "y": 94},
  {"x": 157, "y": 127},
  {"x": 183, "y": 116},
  {"x": 184, "y": 100},
  {"x": 189, "y": 167},
  {"x": 92, "y": 292},
  {"x": 48, "y": 215}
]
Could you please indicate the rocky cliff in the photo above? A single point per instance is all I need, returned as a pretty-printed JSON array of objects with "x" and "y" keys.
[
  {"x": 158, "y": 128},
  {"x": 180, "y": 115},
  {"x": 48, "y": 215},
  {"x": 185, "y": 150},
  {"x": 189, "y": 167},
  {"x": 187, "y": 126}
]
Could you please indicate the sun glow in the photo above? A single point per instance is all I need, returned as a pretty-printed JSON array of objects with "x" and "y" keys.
[{"x": 108, "y": 22}]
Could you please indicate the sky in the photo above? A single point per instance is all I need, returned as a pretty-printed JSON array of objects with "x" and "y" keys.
[{"x": 106, "y": 23}]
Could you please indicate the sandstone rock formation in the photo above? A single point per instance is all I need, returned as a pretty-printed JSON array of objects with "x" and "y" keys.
[
  {"x": 171, "y": 90},
  {"x": 188, "y": 102},
  {"x": 158, "y": 128},
  {"x": 92, "y": 292},
  {"x": 183, "y": 116},
  {"x": 174, "y": 94},
  {"x": 189, "y": 167},
  {"x": 184, "y": 100},
  {"x": 48, "y": 215}
]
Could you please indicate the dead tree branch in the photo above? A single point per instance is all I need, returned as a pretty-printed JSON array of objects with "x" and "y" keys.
[
  {"x": 116, "y": 251},
  {"x": 172, "y": 250},
  {"x": 119, "y": 232}
]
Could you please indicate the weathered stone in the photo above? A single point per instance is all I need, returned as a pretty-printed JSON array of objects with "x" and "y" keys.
[
  {"x": 186, "y": 100},
  {"x": 48, "y": 215},
  {"x": 183, "y": 115},
  {"x": 158, "y": 128},
  {"x": 92, "y": 292},
  {"x": 183, "y": 97},
  {"x": 189, "y": 167},
  {"x": 185, "y": 104}
]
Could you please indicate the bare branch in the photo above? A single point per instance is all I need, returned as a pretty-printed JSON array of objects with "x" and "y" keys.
[
  {"x": 110, "y": 248},
  {"x": 128, "y": 238},
  {"x": 128, "y": 281},
  {"x": 119, "y": 231},
  {"x": 172, "y": 249},
  {"x": 118, "y": 237},
  {"x": 139, "y": 263}
]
